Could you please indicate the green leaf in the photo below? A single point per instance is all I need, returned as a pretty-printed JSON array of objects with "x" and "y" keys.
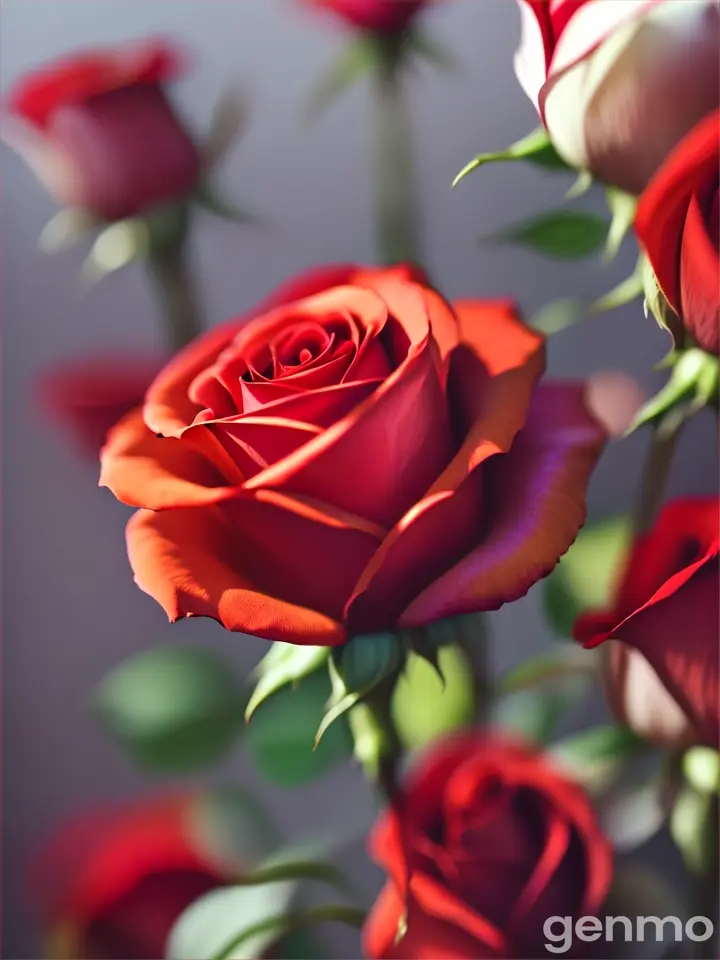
[
  {"x": 557, "y": 315},
  {"x": 291, "y": 869},
  {"x": 536, "y": 148},
  {"x": 701, "y": 766},
  {"x": 558, "y": 234},
  {"x": 535, "y": 713},
  {"x": 213, "y": 925},
  {"x": 625, "y": 292},
  {"x": 298, "y": 945},
  {"x": 427, "y": 47},
  {"x": 115, "y": 247},
  {"x": 595, "y": 756},
  {"x": 285, "y": 664},
  {"x": 278, "y": 925},
  {"x": 212, "y": 201},
  {"x": 622, "y": 207},
  {"x": 231, "y": 829},
  {"x": 66, "y": 228},
  {"x": 424, "y": 706},
  {"x": 568, "y": 662},
  {"x": 281, "y": 735},
  {"x": 228, "y": 123},
  {"x": 174, "y": 708},
  {"x": 687, "y": 827},
  {"x": 630, "y": 814},
  {"x": 357, "y": 59},
  {"x": 584, "y": 578}
]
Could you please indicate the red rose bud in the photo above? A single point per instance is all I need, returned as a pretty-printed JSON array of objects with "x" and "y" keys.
[
  {"x": 354, "y": 456},
  {"x": 112, "y": 884},
  {"x": 89, "y": 395},
  {"x": 484, "y": 842},
  {"x": 667, "y": 609},
  {"x": 376, "y": 16},
  {"x": 99, "y": 132},
  {"x": 678, "y": 224}
]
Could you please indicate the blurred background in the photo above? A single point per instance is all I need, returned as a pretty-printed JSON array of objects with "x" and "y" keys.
[{"x": 70, "y": 609}]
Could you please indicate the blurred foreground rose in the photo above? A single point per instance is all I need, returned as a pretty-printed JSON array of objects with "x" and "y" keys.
[
  {"x": 619, "y": 82},
  {"x": 354, "y": 455},
  {"x": 376, "y": 16},
  {"x": 99, "y": 133},
  {"x": 668, "y": 609},
  {"x": 487, "y": 842},
  {"x": 678, "y": 224},
  {"x": 111, "y": 885},
  {"x": 88, "y": 395}
]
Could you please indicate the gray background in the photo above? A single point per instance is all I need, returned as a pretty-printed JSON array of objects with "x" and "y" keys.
[{"x": 70, "y": 609}]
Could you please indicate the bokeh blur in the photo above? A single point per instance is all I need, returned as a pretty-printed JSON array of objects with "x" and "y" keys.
[{"x": 71, "y": 611}]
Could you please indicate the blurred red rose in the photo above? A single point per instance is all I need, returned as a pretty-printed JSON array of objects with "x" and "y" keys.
[
  {"x": 619, "y": 84},
  {"x": 377, "y": 16},
  {"x": 88, "y": 395},
  {"x": 111, "y": 885},
  {"x": 668, "y": 609},
  {"x": 354, "y": 455},
  {"x": 678, "y": 224},
  {"x": 99, "y": 132},
  {"x": 486, "y": 842}
]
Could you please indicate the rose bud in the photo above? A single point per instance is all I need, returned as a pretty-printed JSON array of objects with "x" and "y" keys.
[
  {"x": 88, "y": 395},
  {"x": 678, "y": 225},
  {"x": 375, "y": 16},
  {"x": 667, "y": 608},
  {"x": 99, "y": 132},
  {"x": 112, "y": 884},
  {"x": 618, "y": 84},
  {"x": 356, "y": 455},
  {"x": 484, "y": 842}
]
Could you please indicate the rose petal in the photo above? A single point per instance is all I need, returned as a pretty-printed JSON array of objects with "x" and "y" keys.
[
  {"x": 490, "y": 384},
  {"x": 143, "y": 470},
  {"x": 187, "y": 561},
  {"x": 699, "y": 286},
  {"x": 663, "y": 207},
  {"x": 535, "y": 505},
  {"x": 427, "y": 938},
  {"x": 255, "y": 442},
  {"x": 404, "y": 424}
]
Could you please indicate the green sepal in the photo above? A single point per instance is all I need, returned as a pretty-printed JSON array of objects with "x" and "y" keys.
[
  {"x": 536, "y": 148},
  {"x": 360, "y": 56},
  {"x": 557, "y": 315},
  {"x": 626, "y": 291},
  {"x": 558, "y": 234},
  {"x": 622, "y": 207},
  {"x": 427, "y": 48},
  {"x": 692, "y": 385},
  {"x": 581, "y": 186},
  {"x": 66, "y": 228},
  {"x": 595, "y": 757},
  {"x": 285, "y": 664},
  {"x": 228, "y": 123},
  {"x": 215, "y": 203},
  {"x": 116, "y": 246}
]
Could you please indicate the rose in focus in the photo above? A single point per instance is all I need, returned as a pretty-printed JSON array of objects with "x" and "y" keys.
[
  {"x": 88, "y": 395},
  {"x": 484, "y": 843},
  {"x": 376, "y": 16},
  {"x": 355, "y": 455},
  {"x": 99, "y": 132},
  {"x": 618, "y": 83},
  {"x": 111, "y": 885},
  {"x": 667, "y": 609},
  {"x": 678, "y": 225}
]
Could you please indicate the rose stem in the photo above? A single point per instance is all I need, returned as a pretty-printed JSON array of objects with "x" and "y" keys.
[
  {"x": 656, "y": 472},
  {"x": 396, "y": 221},
  {"x": 169, "y": 268}
]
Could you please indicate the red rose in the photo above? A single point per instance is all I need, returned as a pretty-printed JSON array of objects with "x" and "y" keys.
[
  {"x": 100, "y": 133},
  {"x": 377, "y": 16},
  {"x": 486, "y": 842},
  {"x": 668, "y": 609},
  {"x": 619, "y": 84},
  {"x": 678, "y": 224},
  {"x": 355, "y": 455},
  {"x": 111, "y": 886},
  {"x": 90, "y": 394}
]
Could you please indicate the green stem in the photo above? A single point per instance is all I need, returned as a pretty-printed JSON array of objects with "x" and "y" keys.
[
  {"x": 656, "y": 473},
  {"x": 396, "y": 213},
  {"x": 176, "y": 290}
]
